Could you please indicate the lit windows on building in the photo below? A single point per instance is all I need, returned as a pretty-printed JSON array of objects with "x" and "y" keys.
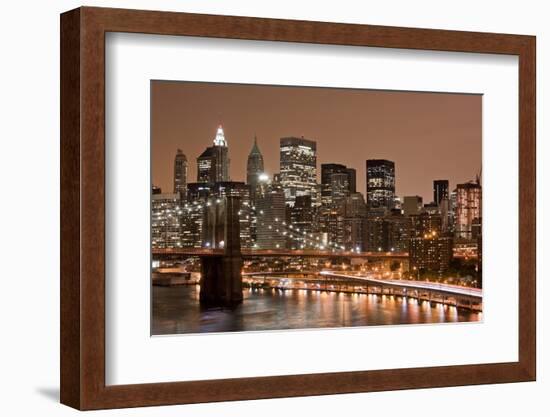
[
  {"x": 166, "y": 221},
  {"x": 431, "y": 252},
  {"x": 213, "y": 163},
  {"x": 180, "y": 174},
  {"x": 380, "y": 183},
  {"x": 298, "y": 169},
  {"x": 468, "y": 209}
]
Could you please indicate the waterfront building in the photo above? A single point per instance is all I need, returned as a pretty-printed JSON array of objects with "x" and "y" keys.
[
  {"x": 468, "y": 209},
  {"x": 213, "y": 163},
  {"x": 380, "y": 183},
  {"x": 430, "y": 252},
  {"x": 254, "y": 169},
  {"x": 180, "y": 174},
  {"x": 441, "y": 191},
  {"x": 166, "y": 221},
  {"x": 412, "y": 205},
  {"x": 298, "y": 168}
]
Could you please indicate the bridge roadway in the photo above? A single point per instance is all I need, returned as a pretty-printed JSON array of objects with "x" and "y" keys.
[
  {"x": 259, "y": 253},
  {"x": 445, "y": 289}
]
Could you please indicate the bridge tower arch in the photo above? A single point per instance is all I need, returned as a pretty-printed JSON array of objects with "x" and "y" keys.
[{"x": 221, "y": 281}]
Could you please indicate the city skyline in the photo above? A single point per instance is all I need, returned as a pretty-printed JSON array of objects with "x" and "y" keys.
[
  {"x": 170, "y": 132},
  {"x": 351, "y": 192}
]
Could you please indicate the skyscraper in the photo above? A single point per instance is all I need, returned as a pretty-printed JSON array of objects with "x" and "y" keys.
[
  {"x": 468, "y": 208},
  {"x": 180, "y": 174},
  {"x": 380, "y": 183},
  {"x": 326, "y": 180},
  {"x": 441, "y": 190},
  {"x": 254, "y": 168},
  {"x": 166, "y": 221},
  {"x": 339, "y": 185},
  {"x": 270, "y": 216},
  {"x": 298, "y": 168},
  {"x": 213, "y": 163},
  {"x": 352, "y": 179}
]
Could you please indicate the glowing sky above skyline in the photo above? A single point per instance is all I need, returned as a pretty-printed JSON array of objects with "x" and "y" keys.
[{"x": 428, "y": 135}]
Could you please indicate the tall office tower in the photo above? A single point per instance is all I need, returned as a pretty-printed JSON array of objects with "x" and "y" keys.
[
  {"x": 441, "y": 190},
  {"x": 352, "y": 179},
  {"x": 326, "y": 180},
  {"x": 380, "y": 183},
  {"x": 302, "y": 219},
  {"x": 355, "y": 211},
  {"x": 339, "y": 187},
  {"x": 412, "y": 205},
  {"x": 254, "y": 168},
  {"x": 298, "y": 168},
  {"x": 270, "y": 216},
  {"x": 213, "y": 163},
  {"x": 468, "y": 209},
  {"x": 166, "y": 221},
  {"x": 241, "y": 190},
  {"x": 180, "y": 174}
]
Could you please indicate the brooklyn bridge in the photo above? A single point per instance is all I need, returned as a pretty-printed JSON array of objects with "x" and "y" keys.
[{"x": 221, "y": 282}]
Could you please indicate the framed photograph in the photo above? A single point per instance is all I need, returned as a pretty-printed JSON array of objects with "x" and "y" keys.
[{"x": 260, "y": 208}]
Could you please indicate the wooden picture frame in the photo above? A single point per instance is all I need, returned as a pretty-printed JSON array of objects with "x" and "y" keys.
[{"x": 83, "y": 208}]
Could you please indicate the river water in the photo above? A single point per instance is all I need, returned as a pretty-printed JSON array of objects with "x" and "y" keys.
[{"x": 176, "y": 310}]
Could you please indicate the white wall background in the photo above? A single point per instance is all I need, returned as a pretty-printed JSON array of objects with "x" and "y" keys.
[{"x": 29, "y": 169}]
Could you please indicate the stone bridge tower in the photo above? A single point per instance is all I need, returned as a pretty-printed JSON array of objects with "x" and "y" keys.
[{"x": 221, "y": 280}]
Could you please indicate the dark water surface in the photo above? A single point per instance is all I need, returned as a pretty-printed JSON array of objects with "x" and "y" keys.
[{"x": 177, "y": 310}]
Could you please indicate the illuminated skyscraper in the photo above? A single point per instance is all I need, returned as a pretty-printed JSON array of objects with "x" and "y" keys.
[
  {"x": 254, "y": 168},
  {"x": 468, "y": 209},
  {"x": 213, "y": 163},
  {"x": 380, "y": 183},
  {"x": 180, "y": 174},
  {"x": 298, "y": 168},
  {"x": 166, "y": 221},
  {"x": 270, "y": 216}
]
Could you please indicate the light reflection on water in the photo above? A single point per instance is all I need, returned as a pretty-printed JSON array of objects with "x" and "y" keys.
[{"x": 177, "y": 310}]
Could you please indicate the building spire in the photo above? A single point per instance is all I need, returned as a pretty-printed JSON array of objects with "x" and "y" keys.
[
  {"x": 255, "y": 149},
  {"x": 219, "y": 140}
]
